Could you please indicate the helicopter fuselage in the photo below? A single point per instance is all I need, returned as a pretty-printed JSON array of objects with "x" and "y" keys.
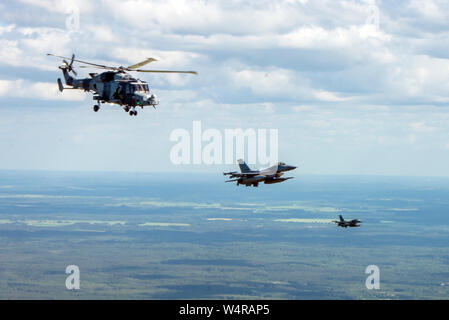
[
  {"x": 114, "y": 86},
  {"x": 117, "y": 87}
]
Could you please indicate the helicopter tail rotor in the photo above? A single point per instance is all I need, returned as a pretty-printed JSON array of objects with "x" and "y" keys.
[
  {"x": 66, "y": 65},
  {"x": 69, "y": 66}
]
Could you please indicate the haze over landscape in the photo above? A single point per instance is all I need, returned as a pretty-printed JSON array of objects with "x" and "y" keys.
[{"x": 153, "y": 236}]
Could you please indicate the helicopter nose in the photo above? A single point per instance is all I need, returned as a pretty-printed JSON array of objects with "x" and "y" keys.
[{"x": 152, "y": 99}]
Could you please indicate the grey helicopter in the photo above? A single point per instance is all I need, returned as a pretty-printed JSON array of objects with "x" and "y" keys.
[{"x": 114, "y": 86}]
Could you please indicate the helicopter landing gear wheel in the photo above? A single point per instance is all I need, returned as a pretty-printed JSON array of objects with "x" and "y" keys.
[
  {"x": 96, "y": 108},
  {"x": 126, "y": 109},
  {"x": 133, "y": 113}
]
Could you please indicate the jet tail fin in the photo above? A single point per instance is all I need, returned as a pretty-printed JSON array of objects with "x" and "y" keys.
[
  {"x": 341, "y": 218},
  {"x": 243, "y": 166}
]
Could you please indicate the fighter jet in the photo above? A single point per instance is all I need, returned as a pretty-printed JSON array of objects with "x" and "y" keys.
[
  {"x": 347, "y": 223},
  {"x": 250, "y": 177}
]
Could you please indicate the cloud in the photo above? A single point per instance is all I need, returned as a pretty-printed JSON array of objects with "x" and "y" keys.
[
  {"x": 421, "y": 127},
  {"x": 428, "y": 9},
  {"x": 61, "y": 6},
  {"x": 200, "y": 17},
  {"x": 281, "y": 83},
  {"x": 335, "y": 85},
  {"x": 37, "y": 90}
]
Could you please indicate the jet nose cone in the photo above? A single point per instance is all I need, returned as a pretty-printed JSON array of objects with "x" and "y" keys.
[{"x": 291, "y": 168}]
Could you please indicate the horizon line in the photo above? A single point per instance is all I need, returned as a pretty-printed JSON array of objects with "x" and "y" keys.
[{"x": 211, "y": 173}]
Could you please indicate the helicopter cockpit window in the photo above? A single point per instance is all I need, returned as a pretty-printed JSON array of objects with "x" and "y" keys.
[
  {"x": 145, "y": 87},
  {"x": 137, "y": 87}
]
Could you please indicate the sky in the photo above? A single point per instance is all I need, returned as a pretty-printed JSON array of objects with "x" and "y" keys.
[{"x": 353, "y": 87}]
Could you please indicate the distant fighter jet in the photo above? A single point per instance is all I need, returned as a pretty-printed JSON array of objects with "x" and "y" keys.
[
  {"x": 347, "y": 223},
  {"x": 250, "y": 177}
]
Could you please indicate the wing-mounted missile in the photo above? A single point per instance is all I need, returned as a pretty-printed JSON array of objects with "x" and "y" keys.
[
  {"x": 232, "y": 180},
  {"x": 279, "y": 174},
  {"x": 229, "y": 173},
  {"x": 276, "y": 180}
]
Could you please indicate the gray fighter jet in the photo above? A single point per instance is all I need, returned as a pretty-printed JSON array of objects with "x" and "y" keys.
[
  {"x": 347, "y": 223},
  {"x": 250, "y": 177}
]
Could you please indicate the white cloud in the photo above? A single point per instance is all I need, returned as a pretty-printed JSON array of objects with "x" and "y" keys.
[
  {"x": 37, "y": 90},
  {"x": 266, "y": 83},
  {"x": 319, "y": 37},
  {"x": 281, "y": 83},
  {"x": 30, "y": 45},
  {"x": 166, "y": 58},
  {"x": 421, "y": 127},
  {"x": 334, "y": 85},
  {"x": 61, "y": 6},
  {"x": 8, "y": 28},
  {"x": 329, "y": 96},
  {"x": 197, "y": 16},
  {"x": 429, "y": 9}
]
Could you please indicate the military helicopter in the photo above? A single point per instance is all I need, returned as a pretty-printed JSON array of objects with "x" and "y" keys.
[{"x": 114, "y": 86}]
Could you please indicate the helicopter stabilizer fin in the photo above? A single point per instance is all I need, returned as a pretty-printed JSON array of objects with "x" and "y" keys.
[{"x": 60, "y": 86}]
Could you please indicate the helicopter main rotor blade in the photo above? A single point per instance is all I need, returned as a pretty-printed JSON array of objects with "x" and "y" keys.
[
  {"x": 100, "y": 67},
  {"x": 165, "y": 71},
  {"x": 140, "y": 64},
  {"x": 89, "y": 63},
  {"x": 130, "y": 68}
]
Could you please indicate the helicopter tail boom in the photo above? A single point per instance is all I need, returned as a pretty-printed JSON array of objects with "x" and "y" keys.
[{"x": 67, "y": 77}]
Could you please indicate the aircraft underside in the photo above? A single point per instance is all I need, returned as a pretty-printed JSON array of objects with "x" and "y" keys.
[{"x": 129, "y": 108}]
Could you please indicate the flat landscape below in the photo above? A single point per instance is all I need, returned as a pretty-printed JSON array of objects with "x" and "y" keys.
[{"x": 154, "y": 236}]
